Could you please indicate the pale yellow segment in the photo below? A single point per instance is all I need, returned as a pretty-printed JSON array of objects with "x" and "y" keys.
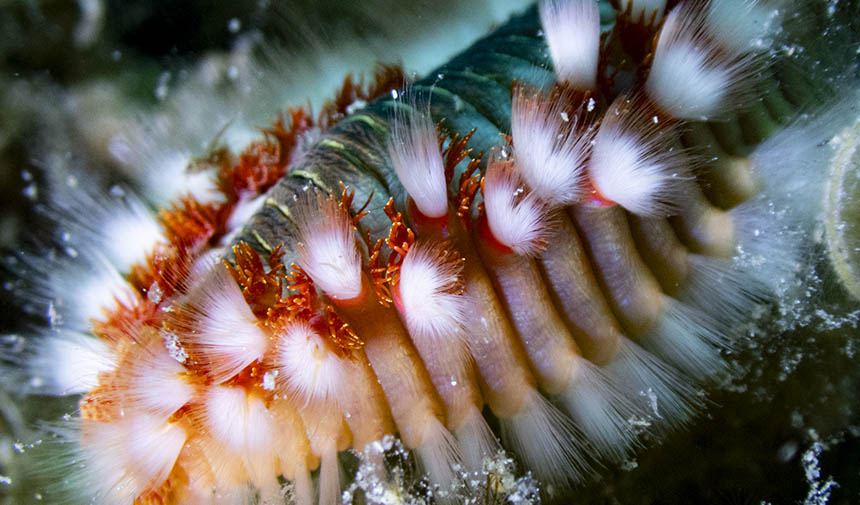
[
  {"x": 582, "y": 305},
  {"x": 632, "y": 290},
  {"x": 501, "y": 360},
  {"x": 664, "y": 254},
  {"x": 401, "y": 373},
  {"x": 550, "y": 347}
]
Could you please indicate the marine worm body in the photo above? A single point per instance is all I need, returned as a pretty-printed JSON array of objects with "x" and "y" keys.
[{"x": 528, "y": 250}]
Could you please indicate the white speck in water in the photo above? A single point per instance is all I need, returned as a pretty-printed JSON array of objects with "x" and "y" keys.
[
  {"x": 591, "y": 105},
  {"x": 564, "y": 117},
  {"x": 174, "y": 348},
  {"x": 154, "y": 293},
  {"x": 355, "y": 106},
  {"x": 162, "y": 86},
  {"x": 652, "y": 402},
  {"x": 394, "y": 94},
  {"x": 269, "y": 380},
  {"x": 31, "y": 192},
  {"x": 234, "y": 25},
  {"x": 5, "y": 480},
  {"x": 787, "y": 451}
]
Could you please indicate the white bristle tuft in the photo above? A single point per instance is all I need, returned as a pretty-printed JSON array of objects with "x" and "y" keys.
[
  {"x": 259, "y": 456},
  {"x": 742, "y": 25},
  {"x": 113, "y": 223},
  {"x": 476, "y": 441},
  {"x": 603, "y": 409},
  {"x": 516, "y": 217},
  {"x": 548, "y": 443},
  {"x": 633, "y": 163},
  {"x": 242, "y": 212},
  {"x": 156, "y": 383},
  {"x": 153, "y": 446},
  {"x": 726, "y": 293},
  {"x": 572, "y": 31},
  {"x": 667, "y": 395},
  {"x": 769, "y": 243},
  {"x": 130, "y": 457},
  {"x": 550, "y": 148},
  {"x": 226, "y": 415},
  {"x": 245, "y": 428},
  {"x": 688, "y": 339},
  {"x": 414, "y": 149},
  {"x": 81, "y": 292},
  {"x": 224, "y": 330},
  {"x": 69, "y": 363},
  {"x": 327, "y": 247},
  {"x": 644, "y": 9},
  {"x": 429, "y": 291},
  {"x": 438, "y": 454},
  {"x": 689, "y": 78},
  {"x": 329, "y": 480},
  {"x": 166, "y": 172},
  {"x": 312, "y": 371},
  {"x": 133, "y": 235}
]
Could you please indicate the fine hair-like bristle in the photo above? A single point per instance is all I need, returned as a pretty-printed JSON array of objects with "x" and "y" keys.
[
  {"x": 216, "y": 322},
  {"x": 690, "y": 78},
  {"x": 667, "y": 395},
  {"x": 414, "y": 149},
  {"x": 476, "y": 441},
  {"x": 310, "y": 369},
  {"x": 67, "y": 363},
  {"x": 551, "y": 145},
  {"x": 603, "y": 409},
  {"x": 153, "y": 382},
  {"x": 516, "y": 216},
  {"x": 242, "y": 431},
  {"x": 716, "y": 287},
  {"x": 129, "y": 457},
  {"x": 548, "y": 442},
  {"x": 429, "y": 292},
  {"x": 327, "y": 246},
  {"x": 688, "y": 339},
  {"x": 438, "y": 454},
  {"x": 572, "y": 31},
  {"x": 633, "y": 162}
]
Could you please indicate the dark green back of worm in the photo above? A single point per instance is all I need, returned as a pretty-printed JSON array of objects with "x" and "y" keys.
[{"x": 471, "y": 91}]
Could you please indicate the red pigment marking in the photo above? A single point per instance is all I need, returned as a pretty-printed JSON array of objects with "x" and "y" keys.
[
  {"x": 357, "y": 301},
  {"x": 595, "y": 198},
  {"x": 486, "y": 234},
  {"x": 397, "y": 299},
  {"x": 423, "y": 221}
]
